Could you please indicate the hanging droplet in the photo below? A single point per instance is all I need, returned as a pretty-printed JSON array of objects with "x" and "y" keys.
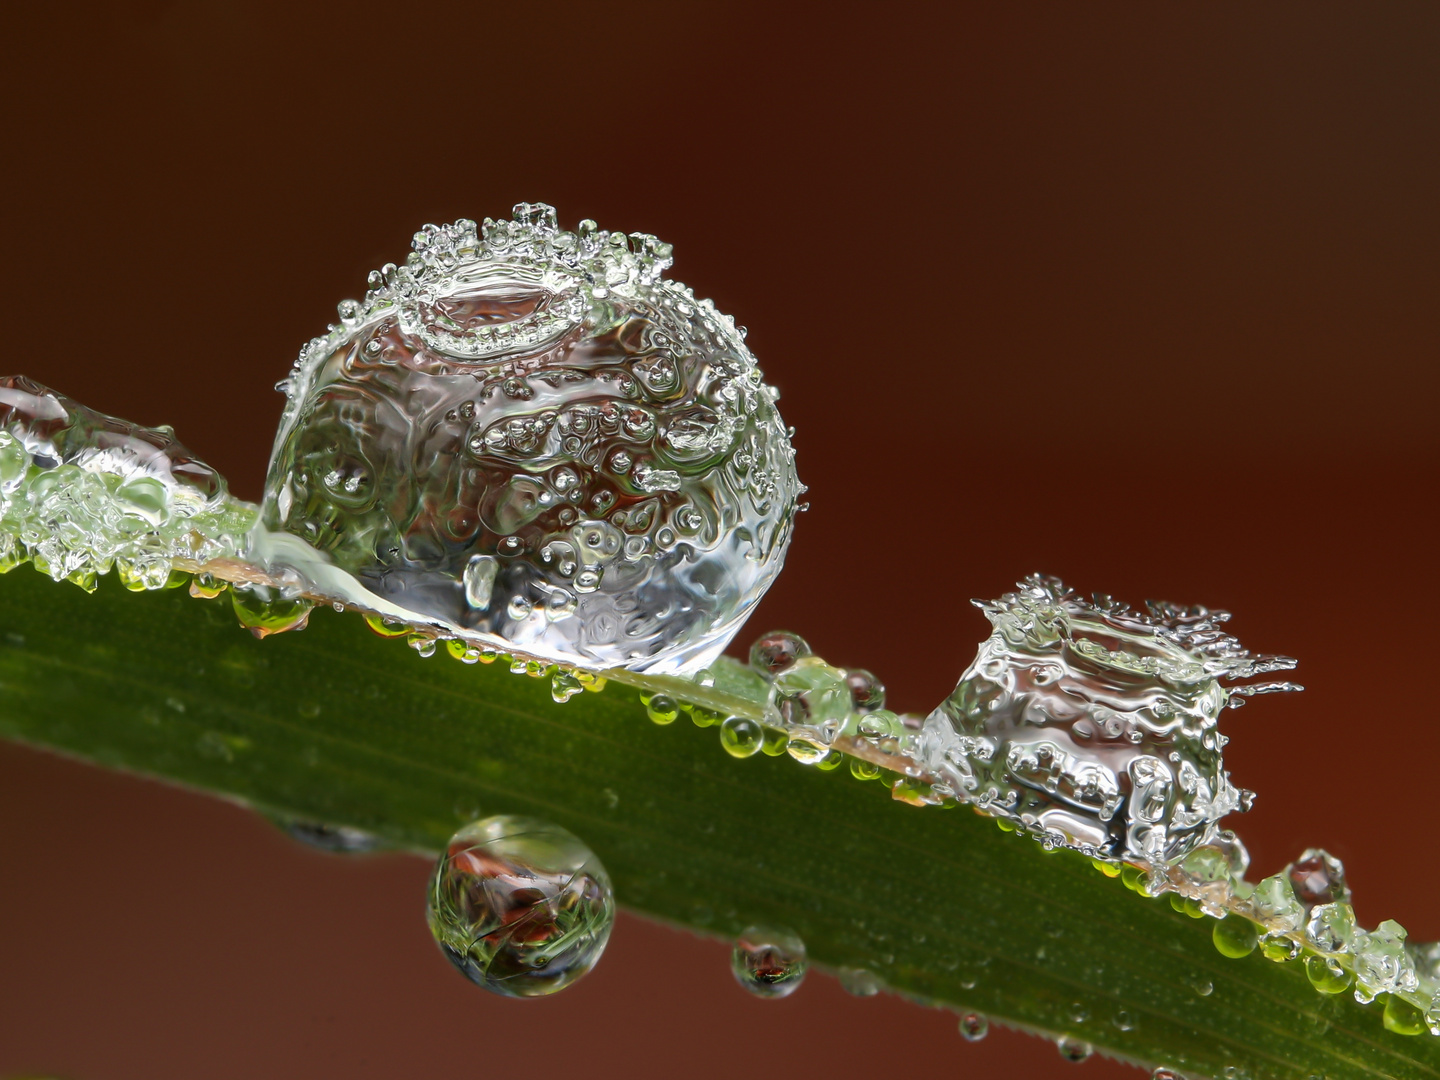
[
  {"x": 1073, "y": 1049},
  {"x": 265, "y": 611},
  {"x": 660, "y": 709},
  {"x": 519, "y": 906},
  {"x": 1326, "y": 974},
  {"x": 336, "y": 839},
  {"x": 741, "y": 737},
  {"x": 974, "y": 1026},
  {"x": 768, "y": 962},
  {"x": 1235, "y": 936},
  {"x": 1403, "y": 1018},
  {"x": 859, "y": 982}
]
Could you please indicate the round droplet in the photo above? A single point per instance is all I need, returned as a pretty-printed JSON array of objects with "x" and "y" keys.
[
  {"x": 776, "y": 742},
  {"x": 805, "y": 751},
  {"x": 1403, "y": 1018},
  {"x": 1235, "y": 936},
  {"x": 660, "y": 709},
  {"x": 1073, "y": 1049},
  {"x": 519, "y": 906},
  {"x": 859, "y": 982},
  {"x": 1327, "y": 974},
  {"x": 867, "y": 693},
  {"x": 768, "y": 962},
  {"x": 740, "y": 737},
  {"x": 776, "y": 651},
  {"x": 1280, "y": 947},
  {"x": 336, "y": 839},
  {"x": 1163, "y": 1073},
  {"x": 974, "y": 1027},
  {"x": 863, "y": 770},
  {"x": 264, "y": 611},
  {"x": 702, "y": 717},
  {"x": 1123, "y": 1020}
]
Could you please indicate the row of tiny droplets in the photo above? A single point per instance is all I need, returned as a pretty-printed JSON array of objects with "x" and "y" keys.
[{"x": 1302, "y": 913}]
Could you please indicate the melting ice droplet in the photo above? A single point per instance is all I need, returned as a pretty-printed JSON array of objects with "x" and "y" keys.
[
  {"x": 527, "y": 434},
  {"x": 519, "y": 906},
  {"x": 769, "y": 962}
]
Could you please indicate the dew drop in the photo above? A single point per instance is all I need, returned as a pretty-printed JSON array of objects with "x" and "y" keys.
[
  {"x": 974, "y": 1027},
  {"x": 1235, "y": 936},
  {"x": 336, "y": 839},
  {"x": 1326, "y": 974},
  {"x": 521, "y": 907},
  {"x": 776, "y": 651},
  {"x": 1280, "y": 947},
  {"x": 264, "y": 611},
  {"x": 660, "y": 709},
  {"x": 1403, "y": 1018},
  {"x": 1073, "y": 1049},
  {"x": 859, "y": 982},
  {"x": 768, "y": 962},
  {"x": 741, "y": 738}
]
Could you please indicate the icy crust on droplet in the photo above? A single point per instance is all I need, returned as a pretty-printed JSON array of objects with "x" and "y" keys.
[
  {"x": 1095, "y": 723},
  {"x": 526, "y": 436},
  {"x": 81, "y": 492}
]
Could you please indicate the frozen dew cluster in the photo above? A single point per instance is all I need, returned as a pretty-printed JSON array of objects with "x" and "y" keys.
[
  {"x": 528, "y": 438},
  {"x": 81, "y": 492}
]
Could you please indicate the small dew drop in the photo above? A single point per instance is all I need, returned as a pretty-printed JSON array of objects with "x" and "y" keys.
[
  {"x": 1123, "y": 1020},
  {"x": 1201, "y": 985},
  {"x": 974, "y": 1027},
  {"x": 1073, "y": 1049},
  {"x": 768, "y": 962},
  {"x": 1078, "y": 1012},
  {"x": 741, "y": 738},
  {"x": 1163, "y": 1073},
  {"x": 859, "y": 982},
  {"x": 660, "y": 709},
  {"x": 335, "y": 839}
]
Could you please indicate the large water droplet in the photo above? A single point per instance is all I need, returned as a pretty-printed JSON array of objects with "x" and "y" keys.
[
  {"x": 1235, "y": 936},
  {"x": 1326, "y": 974},
  {"x": 519, "y": 906},
  {"x": 740, "y": 737},
  {"x": 526, "y": 435},
  {"x": 974, "y": 1026},
  {"x": 264, "y": 610},
  {"x": 769, "y": 962},
  {"x": 1073, "y": 1049},
  {"x": 1403, "y": 1018}
]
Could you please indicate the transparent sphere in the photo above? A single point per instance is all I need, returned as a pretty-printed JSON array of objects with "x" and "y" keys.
[
  {"x": 768, "y": 962},
  {"x": 519, "y": 906},
  {"x": 527, "y": 434}
]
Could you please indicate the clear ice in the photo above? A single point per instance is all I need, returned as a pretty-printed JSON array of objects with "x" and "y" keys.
[
  {"x": 519, "y": 906},
  {"x": 81, "y": 492},
  {"x": 527, "y": 436}
]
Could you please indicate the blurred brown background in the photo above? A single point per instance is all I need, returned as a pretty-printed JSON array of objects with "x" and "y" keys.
[{"x": 1142, "y": 295}]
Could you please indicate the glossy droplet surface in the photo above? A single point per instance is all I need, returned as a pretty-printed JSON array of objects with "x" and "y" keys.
[
  {"x": 1073, "y": 1049},
  {"x": 772, "y": 653},
  {"x": 528, "y": 434},
  {"x": 520, "y": 906},
  {"x": 1403, "y": 1018},
  {"x": 769, "y": 962},
  {"x": 1235, "y": 936},
  {"x": 740, "y": 737},
  {"x": 1326, "y": 974},
  {"x": 1318, "y": 878},
  {"x": 974, "y": 1027}
]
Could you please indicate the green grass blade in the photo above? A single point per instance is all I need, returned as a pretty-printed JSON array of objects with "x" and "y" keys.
[{"x": 336, "y": 724}]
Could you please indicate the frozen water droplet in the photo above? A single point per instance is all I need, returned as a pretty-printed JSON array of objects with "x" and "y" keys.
[
  {"x": 337, "y": 839},
  {"x": 1073, "y": 1049},
  {"x": 1094, "y": 724},
  {"x": 1382, "y": 964},
  {"x": 859, "y": 982},
  {"x": 1276, "y": 905},
  {"x": 522, "y": 411},
  {"x": 974, "y": 1026},
  {"x": 1318, "y": 878},
  {"x": 740, "y": 737},
  {"x": 768, "y": 962},
  {"x": 521, "y": 907},
  {"x": 1326, "y": 974},
  {"x": 1331, "y": 927},
  {"x": 1432, "y": 1015}
]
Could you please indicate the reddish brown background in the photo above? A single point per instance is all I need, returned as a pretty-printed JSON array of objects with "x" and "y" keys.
[{"x": 1143, "y": 295}]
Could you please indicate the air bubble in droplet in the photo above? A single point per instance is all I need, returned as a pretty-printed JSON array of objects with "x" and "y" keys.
[
  {"x": 521, "y": 907},
  {"x": 974, "y": 1026},
  {"x": 768, "y": 962}
]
